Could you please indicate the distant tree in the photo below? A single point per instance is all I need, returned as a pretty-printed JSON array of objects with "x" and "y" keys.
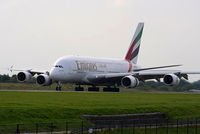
[
  {"x": 4, "y": 78},
  {"x": 183, "y": 86},
  {"x": 7, "y": 78},
  {"x": 13, "y": 78}
]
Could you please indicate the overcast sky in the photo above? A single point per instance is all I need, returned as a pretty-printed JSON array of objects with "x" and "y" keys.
[{"x": 34, "y": 33}]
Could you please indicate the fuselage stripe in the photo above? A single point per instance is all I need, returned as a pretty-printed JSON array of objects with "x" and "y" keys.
[{"x": 129, "y": 65}]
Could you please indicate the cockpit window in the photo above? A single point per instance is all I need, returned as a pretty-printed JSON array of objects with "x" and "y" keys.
[{"x": 59, "y": 66}]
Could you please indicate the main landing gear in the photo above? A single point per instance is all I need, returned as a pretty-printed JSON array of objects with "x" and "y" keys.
[
  {"x": 90, "y": 89},
  {"x": 109, "y": 89},
  {"x": 96, "y": 89},
  {"x": 79, "y": 88},
  {"x": 93, "y": 89},
  {"x": 58, "y": 86}
]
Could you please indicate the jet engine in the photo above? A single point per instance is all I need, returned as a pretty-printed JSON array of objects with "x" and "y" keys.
[
  {"x": 171, "y": 79},
  {"x": 129, "y": 81},
  {"x": 24, "y": 76},
  {"x": 43, "y": 80}
]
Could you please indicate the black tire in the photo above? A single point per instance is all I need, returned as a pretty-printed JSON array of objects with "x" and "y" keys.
[
  {"x": 111, "y": 89},
  {"x": 93, "y": 89},
  {"x": 79, "y": 89},
  {"x": 106, "y": 90}
]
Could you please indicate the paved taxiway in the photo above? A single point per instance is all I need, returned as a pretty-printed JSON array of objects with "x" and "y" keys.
[
  {"x": 29, "y": 90},
  {"x": 54, "y": 91}
]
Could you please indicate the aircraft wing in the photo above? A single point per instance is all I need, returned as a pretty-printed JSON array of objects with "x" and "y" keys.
[
  {"x": 36, "y": 72},
  {"x": 156, "y": 74},
  {"x": 141, "y": 75},
  {"x": 142, "y": 69},
  {"x": 33, "y": 72}
]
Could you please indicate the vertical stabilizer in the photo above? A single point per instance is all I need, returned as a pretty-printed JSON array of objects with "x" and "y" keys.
[{"x": 132, "y": 54}]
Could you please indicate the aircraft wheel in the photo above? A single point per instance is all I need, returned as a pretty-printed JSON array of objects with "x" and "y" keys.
[
  {"x": 79, "y": 89},
  {"x": 111, "y": 89},
  {"x": 58, "y": 86},
  {"x": 93, "y": 89}
]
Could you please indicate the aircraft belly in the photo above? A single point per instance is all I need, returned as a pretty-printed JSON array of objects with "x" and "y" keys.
[{"x": 74, "y": 77}]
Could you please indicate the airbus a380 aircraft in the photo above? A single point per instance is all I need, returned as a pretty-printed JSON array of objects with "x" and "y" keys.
[{"x": 104, "y": 72}]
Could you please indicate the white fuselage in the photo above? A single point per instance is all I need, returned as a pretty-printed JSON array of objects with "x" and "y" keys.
[{"x": 74, "y": 69}]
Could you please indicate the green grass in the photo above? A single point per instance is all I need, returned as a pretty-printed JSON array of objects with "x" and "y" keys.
[
  {"x": 66, "y": 87},
  {"x": 30, "y": 107},
  {"x": 33, "y": 86}
]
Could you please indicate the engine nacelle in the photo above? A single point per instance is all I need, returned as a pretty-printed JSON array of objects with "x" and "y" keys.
[
  {"x": 129, "y": 82},
  {"x": 171, "y": 79},
  {"x": 24, "y": 76},
  {"x": 43, "y": 80}
]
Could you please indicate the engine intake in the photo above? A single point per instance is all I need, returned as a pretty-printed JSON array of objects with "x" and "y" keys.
[
  {"x": 24, "y": 76},
  {"x": 43, "y": 80},
  {"x": 171, "y": 79},
  {"x": 129, "y": 82}
]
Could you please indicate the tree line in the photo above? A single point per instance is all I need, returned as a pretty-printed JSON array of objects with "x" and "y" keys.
[
  {"x": 160, "y": 86},
  {"x": 150, "y": 85},
  {"x": 8, "y": 79}
]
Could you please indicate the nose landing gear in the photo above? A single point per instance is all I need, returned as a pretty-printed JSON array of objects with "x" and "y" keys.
[{"x": 58, "y": 86}]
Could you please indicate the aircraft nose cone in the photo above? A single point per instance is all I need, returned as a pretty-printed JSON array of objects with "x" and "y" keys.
[{"x": 53, "y": 74}]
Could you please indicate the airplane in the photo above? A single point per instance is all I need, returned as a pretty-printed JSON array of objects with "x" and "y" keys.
[{"x": 109, "y": 73}]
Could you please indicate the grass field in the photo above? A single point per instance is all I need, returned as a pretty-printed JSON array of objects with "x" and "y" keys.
[
  {"x": 65, "y": 87},
  {"x": 29, "y": 107},
  {"x": 33, "y": 86}
]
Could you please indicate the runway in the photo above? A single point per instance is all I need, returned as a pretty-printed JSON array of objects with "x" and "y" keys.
[
  {"x": 30, "y": 90},
  {"x": 49, "y": 91},
  {"x": 65, "y": 91}
]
